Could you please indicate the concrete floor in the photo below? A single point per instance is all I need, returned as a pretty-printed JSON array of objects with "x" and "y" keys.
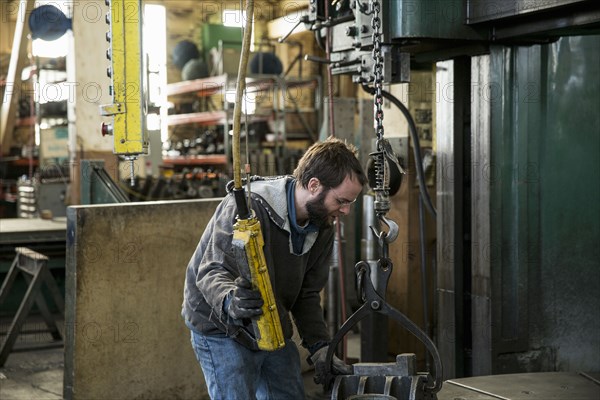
[
  {"x": 33, "y": 375},
  {"x": 38, "y": 374}
]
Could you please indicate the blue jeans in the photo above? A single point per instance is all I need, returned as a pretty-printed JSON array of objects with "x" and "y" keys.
[{"x": 233, "y": 372}]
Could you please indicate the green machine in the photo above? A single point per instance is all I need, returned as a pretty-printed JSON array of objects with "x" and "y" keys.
[
  {"x": 440, "y": 30},
  {"x": 222, "y": 45},
  {"x": 518, "y": 225}
]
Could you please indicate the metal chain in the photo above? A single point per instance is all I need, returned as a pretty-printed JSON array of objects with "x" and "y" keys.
[
  {"x": 382, "y": 155},
  {"x": 377, "y": 68}
]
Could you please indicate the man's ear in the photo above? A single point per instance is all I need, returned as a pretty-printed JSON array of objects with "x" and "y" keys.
[{"x": 313, "y": 185}]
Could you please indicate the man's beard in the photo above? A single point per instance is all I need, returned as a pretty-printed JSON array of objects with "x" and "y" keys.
[{"x": 317, "y": 212}]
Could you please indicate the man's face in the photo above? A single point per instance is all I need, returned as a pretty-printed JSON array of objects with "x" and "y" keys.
[{"x": 330, "y": 203}]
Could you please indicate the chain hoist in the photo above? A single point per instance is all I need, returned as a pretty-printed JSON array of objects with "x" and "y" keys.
[{"x": 384, "y": 153}]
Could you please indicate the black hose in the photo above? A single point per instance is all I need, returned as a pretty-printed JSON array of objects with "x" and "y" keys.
[
  {"x": 424, "y": 275},
  {"x": 242, "y": 205},
  {"x": 416, "y": 147}
]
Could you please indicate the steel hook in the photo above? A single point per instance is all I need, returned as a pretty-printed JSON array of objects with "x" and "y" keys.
[{"x": 393, "y": 230}]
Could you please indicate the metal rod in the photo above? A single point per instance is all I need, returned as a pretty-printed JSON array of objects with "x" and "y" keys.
[
  {"x": 131, "y": 171},
  {"x": 477, "y": 390}
]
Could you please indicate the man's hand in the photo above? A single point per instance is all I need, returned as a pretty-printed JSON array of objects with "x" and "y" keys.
[
  {"x": 338, "y": 367},
  {"x": 245, "y": 302}
]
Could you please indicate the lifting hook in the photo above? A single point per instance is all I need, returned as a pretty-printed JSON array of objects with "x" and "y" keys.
[{"x": 386, "y": 236}]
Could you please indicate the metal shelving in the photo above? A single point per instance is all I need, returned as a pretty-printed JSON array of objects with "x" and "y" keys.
[{"x": 275, "y": 100}]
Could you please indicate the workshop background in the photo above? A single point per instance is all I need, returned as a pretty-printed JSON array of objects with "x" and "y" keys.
[{"x": 491, "y": 107}]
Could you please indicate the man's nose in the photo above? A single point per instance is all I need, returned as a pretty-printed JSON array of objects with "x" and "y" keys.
[{"x": 345, "y": 209}]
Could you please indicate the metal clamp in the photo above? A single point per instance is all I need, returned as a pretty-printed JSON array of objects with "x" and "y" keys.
[{"x": 374, "y": 301}]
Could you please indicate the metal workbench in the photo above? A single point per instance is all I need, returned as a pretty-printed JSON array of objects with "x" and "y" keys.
[
  {"x": 527, "y": 386},
  {"x": 46, "y": 236},
  {"x": 32, "y": 230}
]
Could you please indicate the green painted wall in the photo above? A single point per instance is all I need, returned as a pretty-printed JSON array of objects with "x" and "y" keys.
[{"x": 545, "y": 206}]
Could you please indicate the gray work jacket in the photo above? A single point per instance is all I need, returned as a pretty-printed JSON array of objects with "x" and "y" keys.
[{"x": 296, "y": 279}]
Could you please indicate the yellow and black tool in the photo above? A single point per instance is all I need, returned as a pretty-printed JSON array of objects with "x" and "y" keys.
[
  {"x": 126, "y": 71},
  {"x": 248, "y": 246},
  {"x": 248, "y": 240}
]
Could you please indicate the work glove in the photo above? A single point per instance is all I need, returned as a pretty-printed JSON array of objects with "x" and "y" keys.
[
  {"x": 338, "y": 367},
  {"x": 244, "y": 302}
]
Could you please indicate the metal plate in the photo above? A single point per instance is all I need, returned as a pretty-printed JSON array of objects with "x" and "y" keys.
[{"x": 530, "y": 386}]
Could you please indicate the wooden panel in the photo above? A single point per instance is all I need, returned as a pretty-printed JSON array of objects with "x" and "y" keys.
[{"x": 125, "y": 272}]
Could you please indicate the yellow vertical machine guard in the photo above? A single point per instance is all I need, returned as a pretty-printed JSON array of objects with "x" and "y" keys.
[
  {"x": 247, "y": 235},
  {"x": 127, "y": 78}
]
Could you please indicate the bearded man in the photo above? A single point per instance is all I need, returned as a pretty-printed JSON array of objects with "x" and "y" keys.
[{"x": 296, "y": 214}]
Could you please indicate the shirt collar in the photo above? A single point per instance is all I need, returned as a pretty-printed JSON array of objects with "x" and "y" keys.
[{"x": 310, "y": 227}]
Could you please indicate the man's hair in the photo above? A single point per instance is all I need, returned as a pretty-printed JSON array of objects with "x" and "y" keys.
[{"x": 330, "y": 161}]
